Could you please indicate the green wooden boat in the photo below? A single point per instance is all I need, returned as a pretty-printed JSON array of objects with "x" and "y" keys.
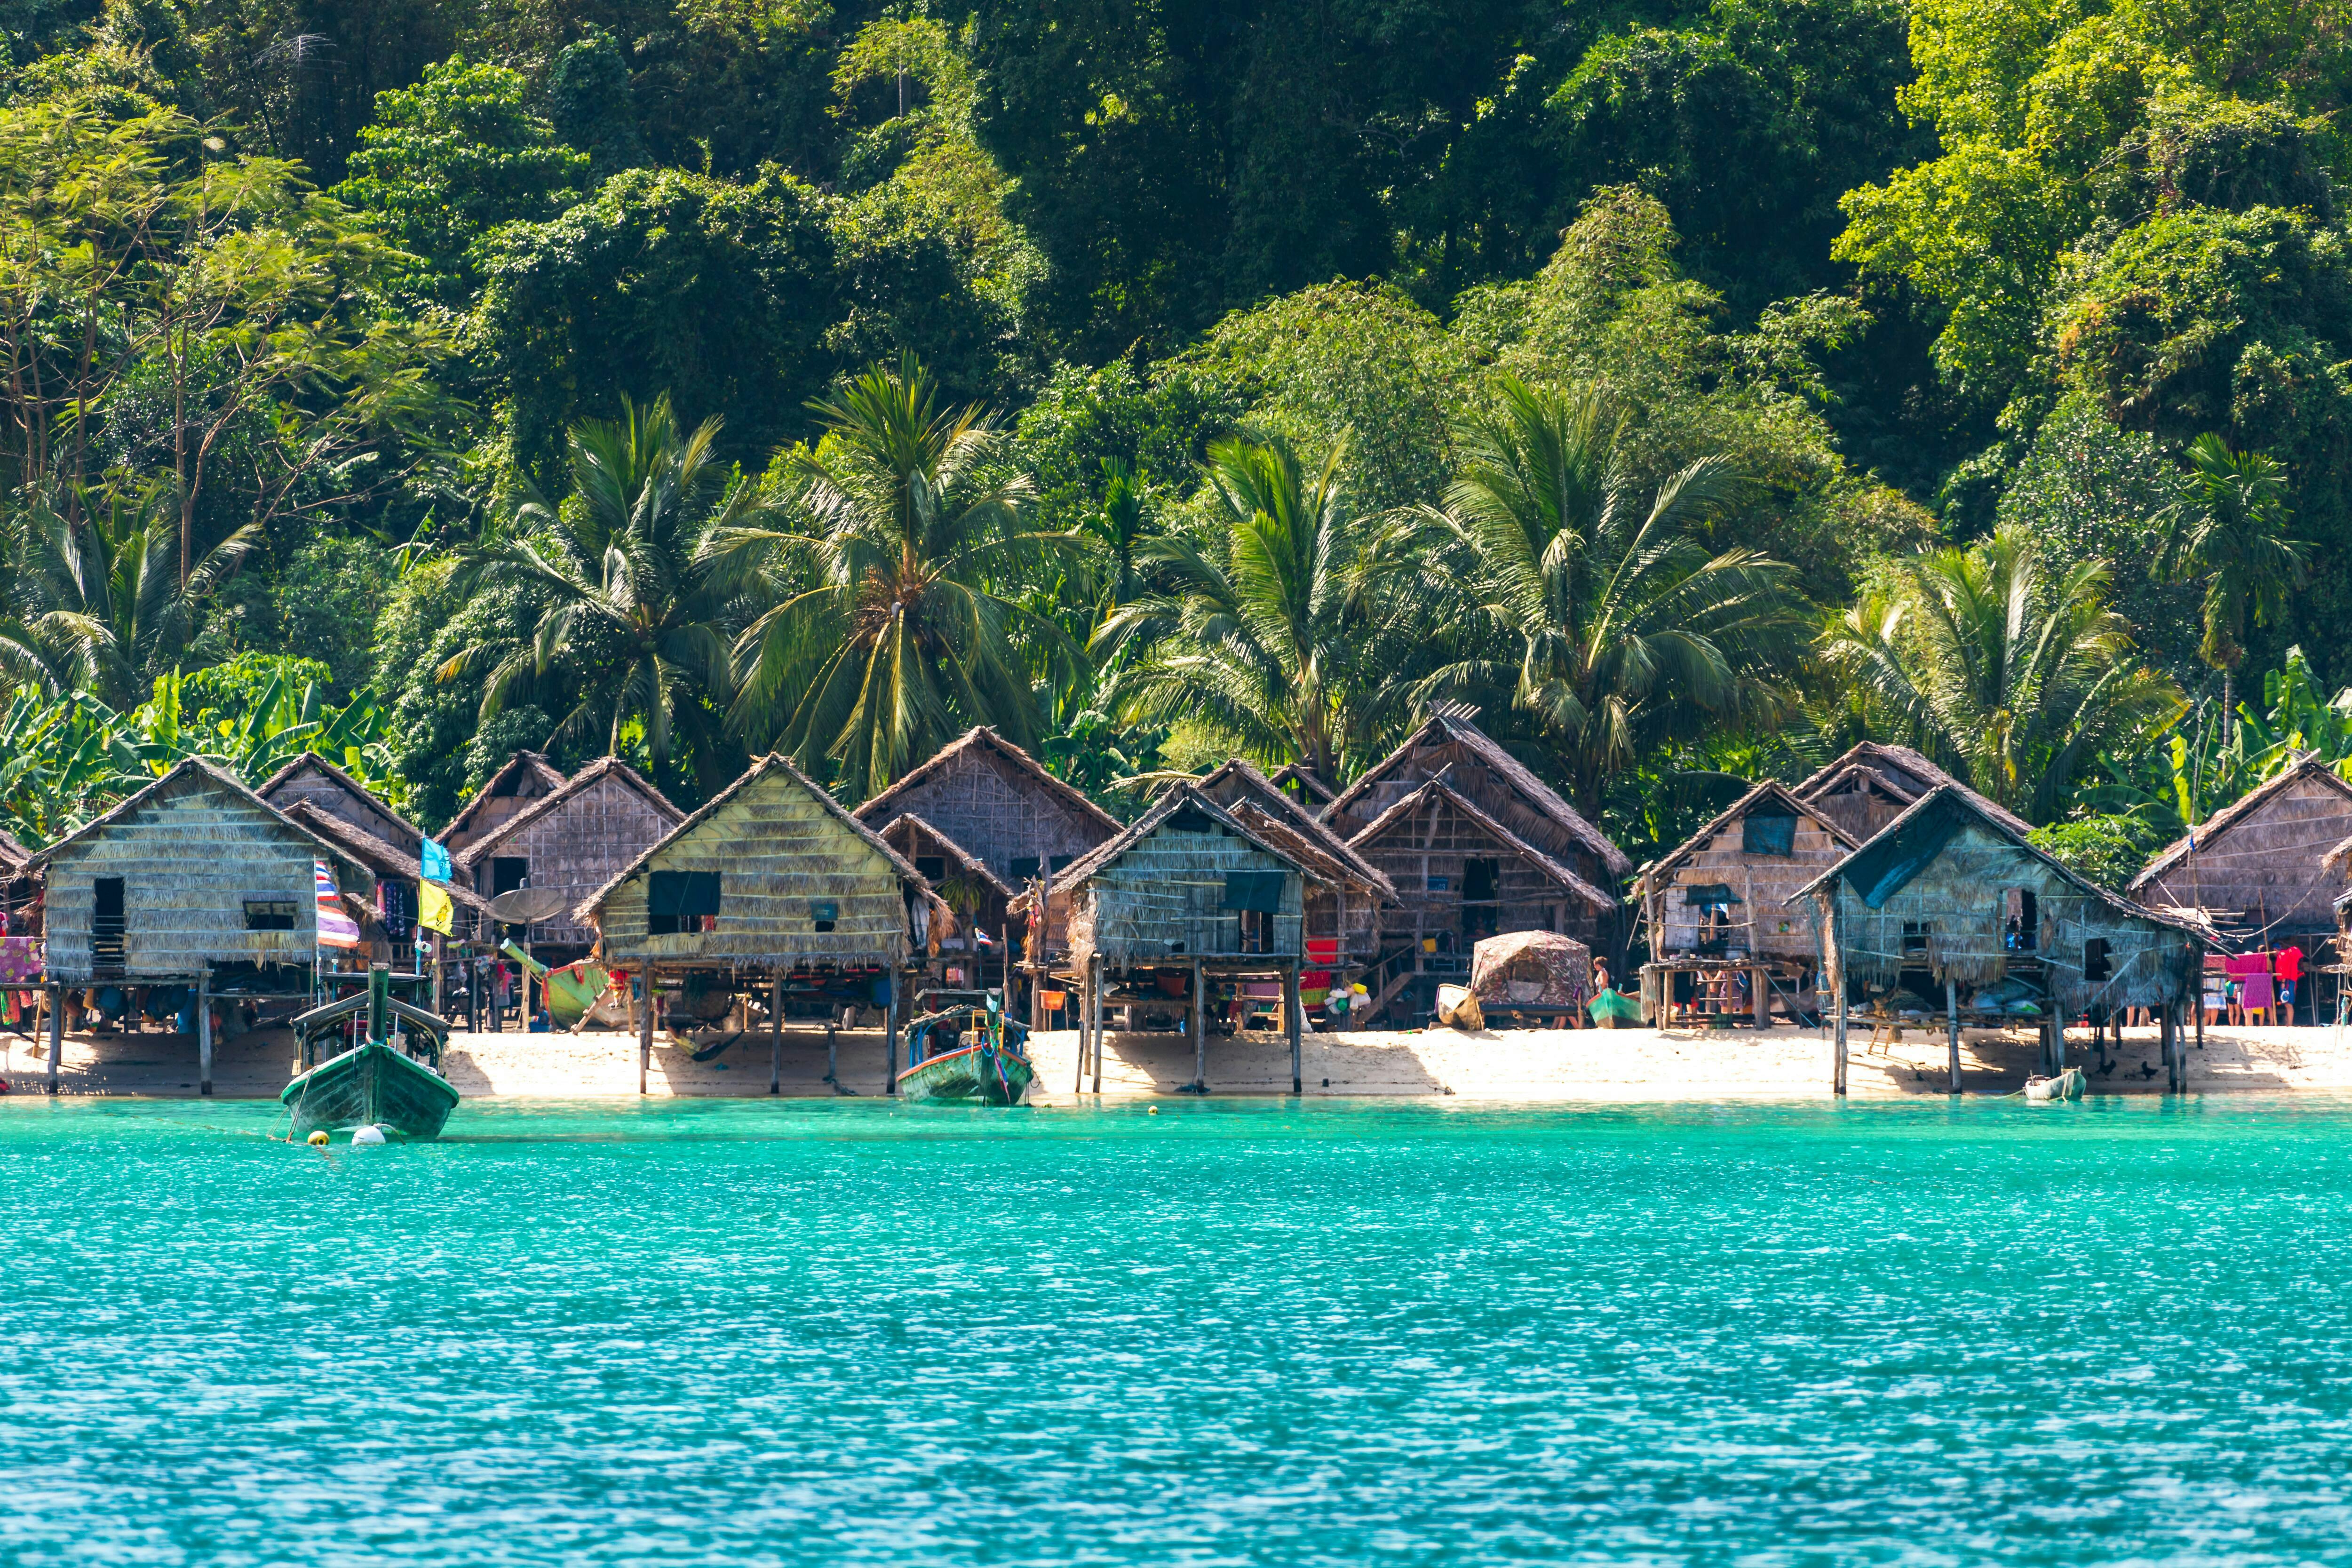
[
  {"x": 987, "y": 1069},
  {"x": 372, "y": 1085}
]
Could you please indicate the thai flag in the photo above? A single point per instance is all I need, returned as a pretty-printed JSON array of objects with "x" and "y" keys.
[
  {"x": 336, "y": 929},
  {"x": 980, "y": 934}
]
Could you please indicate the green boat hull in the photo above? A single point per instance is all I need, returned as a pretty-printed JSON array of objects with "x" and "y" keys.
[
  {"x": 373, "y": 1086},
  {"x": 983, "y": 1074}
]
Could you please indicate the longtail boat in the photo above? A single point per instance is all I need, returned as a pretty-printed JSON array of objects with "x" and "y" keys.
[
  {"x": 374, "y": 1084},
  {"x": 970, "y": 1052}
]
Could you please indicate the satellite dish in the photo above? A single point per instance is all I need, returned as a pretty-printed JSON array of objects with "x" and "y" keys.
[{"x": 525, "y": 905}]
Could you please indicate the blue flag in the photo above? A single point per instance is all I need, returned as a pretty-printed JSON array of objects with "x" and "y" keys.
[{"x": 435, "y": 862}]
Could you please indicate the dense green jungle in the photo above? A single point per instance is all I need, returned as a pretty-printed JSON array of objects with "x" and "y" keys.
[{"x": 1689, "y": 390}]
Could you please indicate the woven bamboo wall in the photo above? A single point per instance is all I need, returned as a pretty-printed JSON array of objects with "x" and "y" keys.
[
  {"x": 1859, "y": 810},
  {"x": 2265, "y": 868},
  {"x": 1764, "y": 884},
  {"x": 1476, "y": 779},
  {"x": 189, "y": 857},
  {"x": 578, "y": 846},
  {"x": 1440, "y": 841},
  {"x": 776, "y": 850},
  {"x": 331, "y": 796},
  {"x": 1161, "y": 898},
  {"x": 505, "y": 797},
  {"x": 998, "y": 812},
  {"x": 1959, "y": 900}
]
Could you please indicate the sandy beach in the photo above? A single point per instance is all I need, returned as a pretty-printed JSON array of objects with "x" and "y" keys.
[{"x": 1515, "y": 1064}]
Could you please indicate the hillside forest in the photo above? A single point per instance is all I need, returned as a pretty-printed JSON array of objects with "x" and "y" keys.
[{"x": 1689, "y": 387}]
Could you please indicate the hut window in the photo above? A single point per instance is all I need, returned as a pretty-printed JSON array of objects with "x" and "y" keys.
[
  {"x": 1478, "y": 880},
  {"x": 1025, "y": 867},
  {"x": 2021, "y": 920},
  {"x": 1061, "y": 862},
  {"x": 1439, "y": 884},
  {"x": 2095, "y": 959},
  {"x": 1761, "y": 835},
  {"x": 932, "y": 868},
  {"x": 825, "y": 913},
  {"x": 679, "y": 901},
  {"x": 1257, "y": 893},
  {"x": 1914, "y": 939},
  {"x": 270, "y": 914},
  {"x": 509, "y": 872}
]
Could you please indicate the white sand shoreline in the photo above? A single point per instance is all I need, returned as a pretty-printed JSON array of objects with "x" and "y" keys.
[{"x": 1589, "y": 1065}]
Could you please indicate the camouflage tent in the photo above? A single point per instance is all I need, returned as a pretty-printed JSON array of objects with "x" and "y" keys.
[{"x": 1535, "y": 970}]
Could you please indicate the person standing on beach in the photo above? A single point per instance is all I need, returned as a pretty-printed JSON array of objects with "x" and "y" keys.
[{"x": 2289, "y": 969}]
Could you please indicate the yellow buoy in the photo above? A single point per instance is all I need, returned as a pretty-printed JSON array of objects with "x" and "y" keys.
[
  {"x": 1154, "y": 1110},
  {"x": 319, "y": 1140}
]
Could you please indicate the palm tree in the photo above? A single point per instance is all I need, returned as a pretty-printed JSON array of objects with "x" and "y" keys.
[
  {"x": 2019, "y": 680},
  {"x": 628, "y": 610},
  {"x": 1629, "y": 632},
  {"x": 879, "y": 632},
  {"x": 103, "y": 609},
  {"x": 1263, "y": 632},
  {"x": 2225, "y": 527}
]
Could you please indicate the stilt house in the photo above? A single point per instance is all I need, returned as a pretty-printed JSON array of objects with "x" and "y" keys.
[
  {"x": 1721, "y": 898},
  {"x": 315, "y": 780},
  {"x": 2269, "y": 865},
  {"x": 962, "y": 880},
  {"x": 1345, "y": 901},
  {"x": 527, "y": 777},
  {"x": 1951, "y": 907},
  {"x": 1516, "y": 814},
  {"x": 1000, "y": 806},
  {"x": 1873, "y": 784},
  {"x": 391, "y": 927},
  {"x": 574, "y": 839},
  {"x": 192, "y": 875}
]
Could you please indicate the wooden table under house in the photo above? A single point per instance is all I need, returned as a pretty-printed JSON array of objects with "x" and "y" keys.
[
  {"x": 773, "y": 885},
  {"x": 1950, "y": 892},
  {"x": 1187, "y": 889}
]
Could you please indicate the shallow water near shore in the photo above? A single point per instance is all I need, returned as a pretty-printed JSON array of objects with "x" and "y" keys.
[{"x": 1329, "y": 1332}]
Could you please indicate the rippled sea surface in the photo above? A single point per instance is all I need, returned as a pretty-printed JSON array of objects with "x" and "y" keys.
[{"x": 1227, "y": 1332}]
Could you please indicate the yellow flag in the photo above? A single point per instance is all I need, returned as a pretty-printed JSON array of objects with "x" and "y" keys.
[{"x": 432, "y": 910}]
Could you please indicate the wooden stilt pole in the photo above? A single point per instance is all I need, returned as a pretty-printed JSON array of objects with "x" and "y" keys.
[
  {"x": 1760, "y": 979},
  {"x": 1292, "y": 1015},
  {"x": 1087, "y": 1017},
  {"x": 890, "y": 1046},
  {"x": 1952, "y": 1016},
  {"x": 204, "y": 1031},
  {"x": 1837, "y": 1075},
  {"x": 832, "y": 1048},
  {"x": 56, "y": 1033},
  {"x": 2165, "y": 1047},
  {"x": 776, "y": 1035},
  {"x": 645, "y": 1032},
  {"x": 1098, "y": 972},
  {"x": 2057, "y": 1044},
  {"x": 1200, "y": 1027}
]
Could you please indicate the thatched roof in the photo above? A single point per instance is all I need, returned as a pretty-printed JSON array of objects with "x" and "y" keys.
[
  {"x": 586, "y": 778},
  {"x": 522, "y": 766},
  {"x": 773, "y": 763},
  {"x": 1453, "y": 727},
  {"x": 2246, "y": 810},
  {"x": 1310, "y": 854},
  {"x": 1240, "y": 777},
  {"x": 1305, "y": 778},
  {"x": 1765, "y": 792},
  {"x": 386, "y": 859},
  {"x": 1182, "y": 797},
  {"x": 1923, "y": 830},
  {"x": 311, "y": 763},
  {"x": 1438, "y": 789},
  {"x": 908, "y": 824},
  {"x": 984, "y": 739},
  {"x": 197, "y": 770},
  {"x": 1904, "y": 774}
]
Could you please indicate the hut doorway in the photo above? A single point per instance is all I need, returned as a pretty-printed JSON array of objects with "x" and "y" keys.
[
  {"x": 2020, "y": 929},
  {"x": 507, "y": 872},
  {"x": 106, "y": 925},
  {"x": 1481, "y": 904}
]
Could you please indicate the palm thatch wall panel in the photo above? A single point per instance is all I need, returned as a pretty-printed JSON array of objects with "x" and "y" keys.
[
  {"x": 2262, "y": 859},
  {"x": 1452, "y": 748},
  {"x": 575, "y": 840},
  {"x": 525, "y": 777},
  {"x": 191, "y": 849},
  {"x": 1339, "y": 896},
  {"x": 780, "y": 846},
  {"x": 1158, "y": 891},
  {"x": 321, "y": 783},
  {"x": 1763, "y": 882},
  {"x": 995, "y": 800},
  {"x": 1425, "y": 844}
]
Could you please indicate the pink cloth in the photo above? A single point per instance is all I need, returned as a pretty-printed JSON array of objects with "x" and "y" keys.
[
  {"x": 20, "y": 959},
  {"x": 2255, "y": 990}
]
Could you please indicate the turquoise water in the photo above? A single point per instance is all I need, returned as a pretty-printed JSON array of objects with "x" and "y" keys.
[{"x": 1229, "y": 1332}]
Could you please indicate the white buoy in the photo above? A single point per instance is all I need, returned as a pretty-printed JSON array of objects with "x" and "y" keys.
[{"x": 368, "y": 1136}]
